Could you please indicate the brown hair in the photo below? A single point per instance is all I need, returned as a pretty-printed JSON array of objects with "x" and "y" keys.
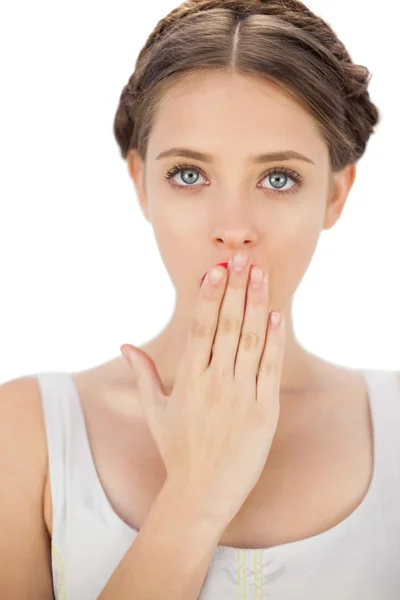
[{"x": 281, "y": 41}]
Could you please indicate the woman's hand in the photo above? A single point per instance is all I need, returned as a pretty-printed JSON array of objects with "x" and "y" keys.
[{"x": 214, "y": 432}]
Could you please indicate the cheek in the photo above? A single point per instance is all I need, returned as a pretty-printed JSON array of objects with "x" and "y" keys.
[
  {"x": 176, "y": 246},
  {"x": 174, "y": 217},
  {"x": 289, "y": 258},
  {"x": 176, "y": 226}
]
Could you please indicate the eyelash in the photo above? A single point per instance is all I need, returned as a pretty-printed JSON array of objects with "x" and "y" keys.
[{"x": 298, "y": 179}]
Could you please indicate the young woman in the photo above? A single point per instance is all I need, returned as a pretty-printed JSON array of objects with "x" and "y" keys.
[{"x": 221, "y": 459}]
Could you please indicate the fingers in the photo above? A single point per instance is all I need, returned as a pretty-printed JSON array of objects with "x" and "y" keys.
[
  {"x": 254, "y": 330},
  {"x": 231, "y": 318},
  {"x": 204, "y": 324},
  {"x": 270, "y": 369},
  {"x": 230, "y": 328}
]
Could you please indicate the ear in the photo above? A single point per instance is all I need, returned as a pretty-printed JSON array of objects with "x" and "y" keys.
[
  {"x": 339, "y": 189},
  {"x": 137, "y": 171}
]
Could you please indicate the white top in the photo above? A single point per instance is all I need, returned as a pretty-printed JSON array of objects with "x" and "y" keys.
[{"x": 357, "y": 559}]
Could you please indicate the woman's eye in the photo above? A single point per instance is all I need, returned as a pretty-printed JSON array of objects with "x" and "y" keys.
[
  {"x": 185, "y": 176},
  {"x": 279, "y": 181}
]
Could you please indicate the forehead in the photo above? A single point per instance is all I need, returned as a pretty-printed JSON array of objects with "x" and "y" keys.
[{"x": 209, "y": 106}]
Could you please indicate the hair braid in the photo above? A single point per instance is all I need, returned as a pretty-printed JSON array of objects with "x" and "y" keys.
[{"x": 352, "y": 124}]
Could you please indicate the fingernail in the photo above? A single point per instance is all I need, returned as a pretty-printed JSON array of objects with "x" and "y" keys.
[
  {"x": 275, "y": 319},
  {"x": 223, "y": 264},
  {"x": 240, "y": 261},
  {"x": 125, "y": 353}
]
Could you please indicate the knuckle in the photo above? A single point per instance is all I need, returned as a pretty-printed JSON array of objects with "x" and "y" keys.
[
  {"x": 229, "y": 324},
  {"x": 200, "y": 329},
  {"x": 269, "y": 368},
  {"x": 250, "y": 341},
  {"x": 243, "y": 385},
  {"x": 220, "y": 382},
  {"x": 224, "y": 373}
]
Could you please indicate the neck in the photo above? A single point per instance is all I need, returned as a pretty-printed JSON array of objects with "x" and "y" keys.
[{"x": 302, "y": 372}]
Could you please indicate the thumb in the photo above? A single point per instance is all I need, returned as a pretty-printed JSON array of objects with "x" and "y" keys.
[{"x": 147, "y": 378}]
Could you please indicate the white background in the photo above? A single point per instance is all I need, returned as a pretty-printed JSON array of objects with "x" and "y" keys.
[{"x": 74, "y": 246}]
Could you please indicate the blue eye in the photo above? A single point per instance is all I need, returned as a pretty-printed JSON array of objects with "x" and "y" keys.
[
  {"x": 178, "y": 169},
  {"x": 279, "y": 175}
]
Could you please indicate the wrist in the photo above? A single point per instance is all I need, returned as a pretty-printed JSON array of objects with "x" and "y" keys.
[{"x": 192, "y": 505}]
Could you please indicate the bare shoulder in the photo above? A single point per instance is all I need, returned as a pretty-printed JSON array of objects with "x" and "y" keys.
[
  {"x": 22, "y": 434},
  {"x": 23, "y": 467},
  {"x": 21, "y": 418}
]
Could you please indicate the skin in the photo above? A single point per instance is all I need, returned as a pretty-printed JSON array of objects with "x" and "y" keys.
[{"x": 232, "y": 204}]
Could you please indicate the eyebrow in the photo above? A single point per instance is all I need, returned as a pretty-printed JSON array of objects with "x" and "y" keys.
[{"x": 257, "y": 158}]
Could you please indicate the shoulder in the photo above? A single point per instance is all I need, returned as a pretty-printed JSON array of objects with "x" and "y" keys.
[
  {"x": 23, "y": 468},
  {"x": 22, "y": 422},
  {"x": 23, "y": 447}
]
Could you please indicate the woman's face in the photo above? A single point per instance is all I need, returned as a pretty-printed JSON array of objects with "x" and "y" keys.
[{"x": 274, "y": 208}]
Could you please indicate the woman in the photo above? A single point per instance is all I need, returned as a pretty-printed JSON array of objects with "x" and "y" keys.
[{"x": 226, "y": 461}]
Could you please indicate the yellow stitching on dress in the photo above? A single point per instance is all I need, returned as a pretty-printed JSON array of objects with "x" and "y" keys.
[
  {"x": 255, "y": 572},
  {"x": 259, "y": 585},
  {"x": 238, "y": 572},
  {"x": 60, "y": 564},
  {"x": 262, "y": 574},
  {"x": 244, "y": 575}
]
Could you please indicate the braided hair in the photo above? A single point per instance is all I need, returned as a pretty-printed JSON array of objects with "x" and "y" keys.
[{"x": 280, "y": 40}]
